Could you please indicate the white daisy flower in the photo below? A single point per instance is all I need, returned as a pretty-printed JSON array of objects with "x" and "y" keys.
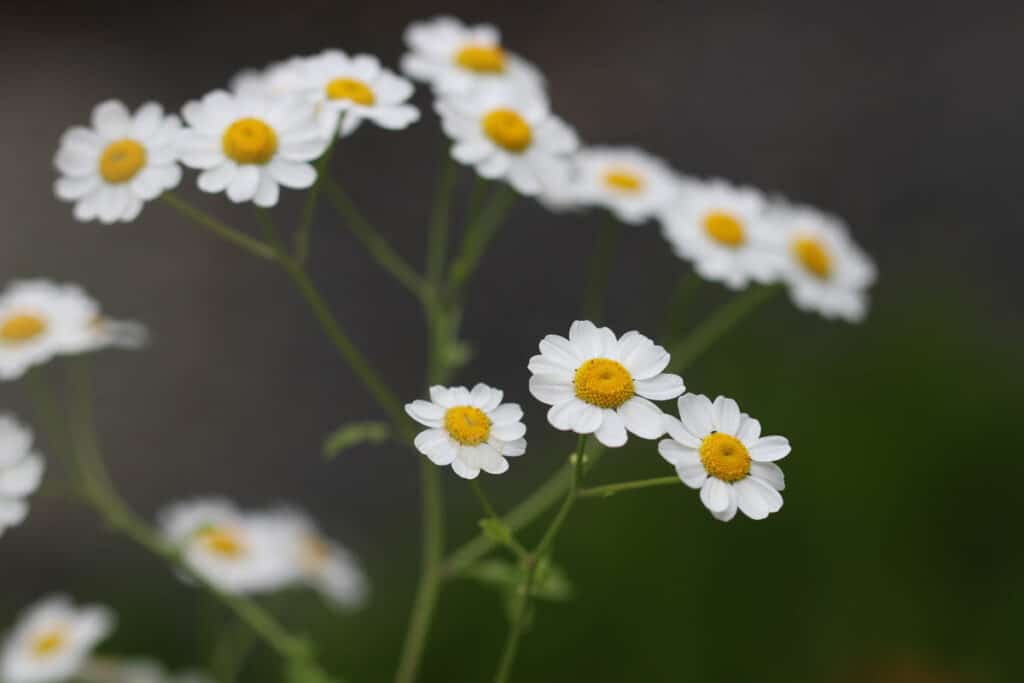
[
  {"x": 249, "y": 146},
  {"x": 825, "y": 270},
  {"x": 111, "y": 169},
  {"x": 722, "y": 230},
  {"x": 52, "y": 640},
  {"x": 469, "y": 430},
  {"x": 597, "y": 384},
  {"x": 235, "y": 552},
  {"x": 276, "y": 80},
  {"x": 358, "y": 89},
  {"x": 456, "y": 59},
  {"x": 719, "y": 450},
  {"x": 509, "y": 134},
  {"x": 21, "y": 471}
]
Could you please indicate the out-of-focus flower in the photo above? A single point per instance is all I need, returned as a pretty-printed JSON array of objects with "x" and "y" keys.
[
  {"x": 249, "y": 146},
  {"x": 456, "y": 59},
  {"x": 21, "y": 471},
  {"x": 112, "y": 670},
  {"x": 471, "y": 430},
  {"x": 598, "y": 384},
  {"x": 52, "y": 640},
  {"x": 276, "y": 80},
  {"x": 509, "y": 134},
  {"x": 719, "y": 450},
  {"x": 112, "y": 168}
]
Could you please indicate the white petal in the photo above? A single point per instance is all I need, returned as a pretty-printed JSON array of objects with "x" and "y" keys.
[
  {"x": 695, "y": 413},
  {"x": 612, "y": 432},
  {"x": 71, "y": 188},
  {"x": 750, "y": 429},
  {"x": 725, "y": 414},
  {"x": 756, "y": 499},
  {"x": 770, "y": 473},
  {"x": 23, "y": 478},
  {"x": 510, "y": 412},
  {"x": 112, "y": 120},
  {"x": 675, "y": 429},
  {"x": 561, "y": 351},
  {"x": 479, "y": 395},
  {"x": 425, "y": 412},
  {"x": 648, "y": 362},
  {"x": 588, "y": 420},
  {"x": 716, "y": 495},
  {"x": 677, "y": 454},
  {"x": 267, "y": 192},
  {"x": 510, "y": 449},
  {"x": 728, "y": 513},
  {"x": 442, "y": 396},
  {"x": 242, "y": 187},
  {"x": 510, "y": 431},
  {"x": 769, "y": 448},
  {"x": 463, "y": 470},
  {"x": 436, "y": 445},
  {"x": 544, "y": 365},
  {"x": 584, "y": 336},
  {"x": 563, "y": 415},
  {"x": 12, "y": 512},
  {"x": 293, "y": 174},
  {"x": 217, "y": 178},
  {"x": 642, "y": 418},
  {"x": 551, "y": 390},
  {"x": 660, "y": 387},
  {"x": 693, "y": 476}
]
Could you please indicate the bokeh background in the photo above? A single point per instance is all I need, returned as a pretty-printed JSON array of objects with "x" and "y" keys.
[{"x": 897, "y": 556}]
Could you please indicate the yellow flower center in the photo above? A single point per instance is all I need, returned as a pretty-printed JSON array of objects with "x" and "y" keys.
[
  {"x": 468, "y": 425},
  {"x": 813, "y": 256},
  {"x": 508, "y": 129},
  {"x": 250, "y": 141},
  {"x": 725, "y": 457},
  {"x": 222, "y": 541},
  {"x": 603, "y": 382},
  {"x": 724, "y": 228},
  {"x": 21, "y": 327},
  {"x": 121, "y": 160},
  {"x": 488, "y": 59},
  {"x": 623, "y": 180},
  {"x": 49, "y": 642},
  {"x": 350, "y": 89}
]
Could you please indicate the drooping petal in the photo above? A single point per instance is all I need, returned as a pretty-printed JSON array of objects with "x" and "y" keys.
[
  {"x": 642, "y": 418},
  {"x": 769, "y": 448}
]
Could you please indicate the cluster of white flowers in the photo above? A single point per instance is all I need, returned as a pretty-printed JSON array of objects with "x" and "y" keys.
[{"x": 21, "y": 471}]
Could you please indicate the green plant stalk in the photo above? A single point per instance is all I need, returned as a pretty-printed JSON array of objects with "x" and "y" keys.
[
  {"x": 479, "y": 235},
  {"x": 239, "y": 239},
  {"x": 302, "y": 235},
  {"x": 491, "y": 513},
  {"x": 685, "y": 289},
  {"x": 600, "y": 268},
  {"x": 437, "y": 243},
  {"x": 611, "y": 489}
]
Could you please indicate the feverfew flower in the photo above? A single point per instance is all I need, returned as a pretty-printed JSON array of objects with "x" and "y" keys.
[
  {"x": 598, "y": 384},
  {"x": 629, "y": 182},
  {"x": 825, "y": 270},
  {"x": 111, "y": 169},
  {"x": 249, "y": 146},
  {"x": 356, "y": 88},
  {"x": 276, "y": 80},
  {"x": 509, "y": 134},
  {"x": 21, "y": 471},
  {"x": 722, "y": 230},
  {"x": 456, "y": 59},
  {"x": 469, "y": 430},
  {"x": 719, "y": 450},
  {"x": 52, "y": 640}
]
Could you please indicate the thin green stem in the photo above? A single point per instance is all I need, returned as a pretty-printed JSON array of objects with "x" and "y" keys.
[
  {"x": 685, "y": 289},
  {"x": 48, "y": 412},
  {"x": 437, "y": 245},
  {"x": 270, "y": 231},
  {"x": 302, "y": 235},
  {"x": 239, "y": 239},
  {"x": 611, "y": 489},
  {"x": 600, "y": 268},
  {"x": 492, "y": 514},
  {"x": 476, "y": 199},
  {"x": 479, "y": 235}
]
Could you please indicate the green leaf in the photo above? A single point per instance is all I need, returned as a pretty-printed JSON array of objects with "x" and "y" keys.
[
  {"x": 550, "y": 582},
  {"x": 355, "y": 434},
  {"x": 495, "y": 530}
]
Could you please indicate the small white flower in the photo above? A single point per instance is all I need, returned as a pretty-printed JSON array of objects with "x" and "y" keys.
[
  {"x": 469, "y": 430},
  {"x": 457, "y": 59},
  {"x": 249, "y": 146},
  {"x": 52, "y": 640},
  {"x": 276, "y": 80},
  {"x": 825, "y": 270},
  {"x": 722, "y": 229},
  {"x": 235, "y": 552},
  {"x": 598, "y": 384},
  {"x": 116, "y": 670},
  {"x": 111, "y": 169},
  {"x": 719, "y": 450},
  {"x": 510, "y": 134},
  {"x": 21, "y": 471},
  {"x": 358, "y": 89}
]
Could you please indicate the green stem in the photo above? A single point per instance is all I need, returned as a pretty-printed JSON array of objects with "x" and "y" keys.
[
  {"x": 48, "y": 412},
  {"x": 687, "y": 286},
  {"x": 437, "y": 245},
  {"x": 239, "y": 239},
  {"x": 611, "y": 489},
  {"x": 309, "y": 209},
  {"x": 600, "y": 267},
  {"x": 491, "y": 513},
  {"x": 479, "y": 235}
]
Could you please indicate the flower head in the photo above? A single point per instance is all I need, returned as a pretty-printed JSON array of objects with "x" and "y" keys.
[
  {"x": 599, "y": 384},
  {"x": 469, "y": 430},
  {"x": 124, "y": 160},
  {"x": 52, "y": 640},
  {"x": 719, "y": 450},
  {"x": 249, "y": 146},
  {"x": 278, "y": 79},
  {"x": 21, "y": 471},
  {"x": 457, "y": 59}
]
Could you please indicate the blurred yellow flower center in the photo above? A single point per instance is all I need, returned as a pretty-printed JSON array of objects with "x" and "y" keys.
[
  {"x": 483, "y": 58},
  {"x": 21, "y": 327},
  {"x": 725, "y": 457},
  {"x": 350, "y": 89},
  {"x": 813, "y": 256},
  {"x": 49, "y": 642},
  {"x": 121, "y": 160},
  {"x": 724, "y": 228},
  {"x": 468, "y": 425},
  {"x": 508, "y": 129},
  {"x": 623, "y": 180},
  {"x": 223, "y": 542},
  {"x": 250, "y": 141},
  {"x": 603, "y": 382}
]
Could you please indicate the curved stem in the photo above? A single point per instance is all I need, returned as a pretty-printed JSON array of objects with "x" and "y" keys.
[
  {"x": 611, "y": 489},
  {"x": 479, "y": 235},
  {"x": 437, "y": 244},
  {"x": 239, "y": 239},
  {"x": 600, "y": 267},
  {"x": 309, "y": 209}
]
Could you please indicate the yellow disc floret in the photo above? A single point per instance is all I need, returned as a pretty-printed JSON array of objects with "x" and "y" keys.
[
  {"x": 725, "y": 457},
  {"x": 724, "y": 228},
  {"x": 49, "y": 642},
  {"x": 623, "y": 180},
  {"x": 350, "y": 89},
  {"x": 507, "y": 129},
  {"x": 468, "y": 425},
  {"x": 250, "y": 141},
  {"x": 121, "y": 160},
  {"x": 603, "y": 382},
  {"x": 813, "y": 256},
  {"x": 222, "y": 541},
  {"x": 21, "y": 327},
  {"x": 487, "y": 59}
]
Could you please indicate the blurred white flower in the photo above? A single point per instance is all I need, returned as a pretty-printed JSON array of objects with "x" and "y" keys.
[
  {"x": 52, "y": 640},
  {"x": 469, "y": 430},
  {"x": 719, "y": 450},
  {"x": 276, "y": 80},
  {"x": 598, "y": 384},
  {"x": 111, "y": 169},
  {"x": 116, "y": 670},
  {"x": 248, "y": 146},
  {"x": 457, "y": 59},
  {"x": 21, "y": 471},
  {"x": 508, "y": 134}
]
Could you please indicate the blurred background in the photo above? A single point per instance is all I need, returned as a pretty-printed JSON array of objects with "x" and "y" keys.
[{"x": 897, "y": 556}]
